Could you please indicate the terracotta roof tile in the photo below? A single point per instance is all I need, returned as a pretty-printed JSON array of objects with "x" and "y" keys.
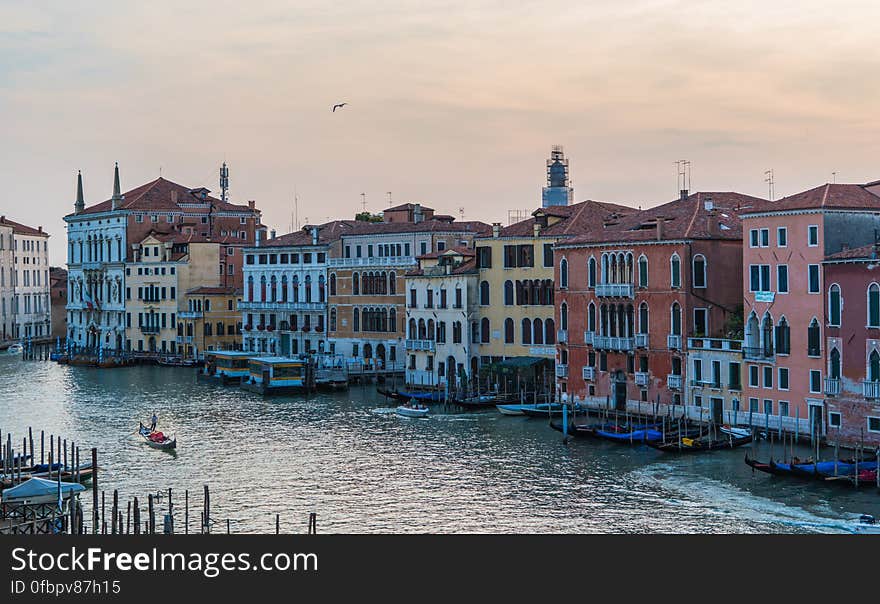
[
  {"x": 829, "y": 196},
  {"x": 21, "y": 229}
]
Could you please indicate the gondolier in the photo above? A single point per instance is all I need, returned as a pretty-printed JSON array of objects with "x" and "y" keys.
[{"x": 154, "y": 421}]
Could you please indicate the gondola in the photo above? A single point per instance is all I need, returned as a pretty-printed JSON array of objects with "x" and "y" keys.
[
  {"x": 699, "y": 445},
  {"x": 422, "y": 397},
  {"x": 476, "y": 402},
  {"x": 393, "y": 394},
  {"x": 542, "y": 410},
  {"x": 157, "y": 440}
]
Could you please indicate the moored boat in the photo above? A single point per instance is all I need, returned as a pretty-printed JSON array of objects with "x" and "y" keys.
[
  {"x": 867, "y": 525},
  {"x": 699, "y": 445}
]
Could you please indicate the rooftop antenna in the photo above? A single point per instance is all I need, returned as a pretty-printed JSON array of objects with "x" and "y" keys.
[
  {"x": 224, "y": 183},
  {"x": 683, "y": 169},
  {"x": 388, "y": 193},
  {"x": 768, "y": 178},
  {"x": 295, "y": 217},
  {"x": 834, "y": 178},
  {"x": 364, "y": 201},
  {"x": 461, "y": 213}
]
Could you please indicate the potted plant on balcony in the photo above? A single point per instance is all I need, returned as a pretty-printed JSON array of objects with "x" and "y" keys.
[
  {"x": 319, "y": 328},
  {"x": 261, "y": 327},
  {"x": 248, "y": 327},
  {"x": 306, "y": 328},
  {"x": 270, "y": 328}
]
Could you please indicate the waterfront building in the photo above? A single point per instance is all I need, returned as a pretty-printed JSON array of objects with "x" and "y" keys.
[
  {"x": 99, "y": 239},
  {"x": 25, "y": 303},
  {"x": 367, "y": 293},
  {"x": 515, "y": 295},
  {"x": 209, "y": 320},
  {"x": 635, "y": 291},
  {"x": 441, "y": 296},
  {"x": 284, "y": 306},
  {"x": 790, "y": 331},
  {"x": 714, "y": 367},
  {"x": 58, "y": 293},
  {"x": 852, "y": 355},
  {"x": 558, "y": 191}
]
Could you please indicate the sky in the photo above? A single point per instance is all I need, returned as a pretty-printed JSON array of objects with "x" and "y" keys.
[{"x": 451, "y": 104}]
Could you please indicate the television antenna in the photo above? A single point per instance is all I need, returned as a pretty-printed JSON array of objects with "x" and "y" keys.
[
  {"x": 388, "y": 193},
  {"x": 364, "y": 201},
  {"x": 771, "y": 183},
  {"x": 683, "y": 170}
]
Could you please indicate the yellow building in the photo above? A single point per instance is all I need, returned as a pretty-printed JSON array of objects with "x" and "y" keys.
[
  {"x": 211, "y": 321},
  {"x": 163, "y": 266},
  {"x": 515, "y": 310}
]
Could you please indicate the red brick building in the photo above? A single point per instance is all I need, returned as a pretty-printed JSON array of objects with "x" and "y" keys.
[
  {"x": 852, "y": 355},
  {"x": 630, "y": 293}
]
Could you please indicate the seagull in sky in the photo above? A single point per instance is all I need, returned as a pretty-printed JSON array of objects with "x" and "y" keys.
[{"x": 338, "y": 106}]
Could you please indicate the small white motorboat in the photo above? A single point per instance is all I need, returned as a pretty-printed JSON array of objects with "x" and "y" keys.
[
  {"x": 867, "y": 525},
  {"x": 412, "y": 409},
  {"x": 735, "y": 432},
  {"x": 14, "y": 349},
  {"x": 515, "y": 409}
]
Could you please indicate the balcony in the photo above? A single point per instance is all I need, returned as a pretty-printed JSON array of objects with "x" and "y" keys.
[
  {"x": 641, "y": 340},
  {"x": 376, "y": 261},
  {"x": 317, "y": 306},
  {"x": 562, "y": 371},
  {"x": 673, "y": 381},
  {"x": 673, "y": 342},
  {"x": 641, "y": 378},
  {"x": 589, "y": 373},
  {"x": 184, "y": 339},
  {"x": 614, "y": 290},
  {"x": 420, "y": 345},
  {"x": 758, "y": 353},
  {"x": 588, "y": 337},
  {"x": 562, "y": 336},
  {"x": 150, "y": 329},
  {"x": 871, "y": 389},
  {"x": 714, "y": 344},
  {"x": 189, "y": 314},
  {"x": 613, "y": 343},
  {"x": 705, "y": 384},
  {"x": 832, "y": 386}
]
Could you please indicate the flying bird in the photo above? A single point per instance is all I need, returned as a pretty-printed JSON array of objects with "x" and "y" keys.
[{"x": 338, "y": 106}]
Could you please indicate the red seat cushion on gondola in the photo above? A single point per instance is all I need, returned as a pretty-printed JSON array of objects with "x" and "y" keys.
[{"x": 157, "y": 437}]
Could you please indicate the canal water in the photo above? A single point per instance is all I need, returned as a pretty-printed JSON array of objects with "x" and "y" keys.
[{"x": 362, "y": 469}]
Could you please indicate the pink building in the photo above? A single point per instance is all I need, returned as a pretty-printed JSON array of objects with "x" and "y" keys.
[{"x": 786, "y": 323}]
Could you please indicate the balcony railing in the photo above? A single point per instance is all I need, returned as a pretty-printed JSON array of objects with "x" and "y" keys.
[
  {"x": 871, "y": 389},
  {"x": 613, "y": 343},
  {"x": 375, "y": 261},
  {"x": 190, "y": 314},
  {"x": 252, "y": 305},
  {"x": 832, "y": 386},
  {"x": 614, "y": 290},
  {"x": 705, "y": 384},
  {"x": 588, "y": 337},
  {"x": 641, "y": 340},
  {"x": 714, "y": 344},
  {"x": 673, "y": 381},
  {"x": 150, "y": 328},
  {"x": 589, "y": 373},
  {"x": 641, "y": 378},
  {"x": 562, "y": 336},
  {"x": 673, "y": 342},
  {"x": 420, "y": 345},
  {"x": 562, "y": 371},
  {"x": 758, "y": 353},
  {"x": 184, "y": 339}
]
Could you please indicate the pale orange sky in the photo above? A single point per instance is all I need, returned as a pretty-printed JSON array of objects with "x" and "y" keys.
[{"x": 451, "y": 103}]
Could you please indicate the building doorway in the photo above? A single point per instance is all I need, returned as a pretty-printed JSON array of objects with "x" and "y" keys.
[
  {"x": 716, "y": 407},
  {"x": 619, "y": 387}
]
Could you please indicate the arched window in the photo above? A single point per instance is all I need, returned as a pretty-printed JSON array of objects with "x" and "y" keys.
[
  {"x": 675, "y": 271},
  {"x": 834, "y": 305},
  {"x": 549, "y": 332},
  {"x": 676, "y": 319},
  {"x": 874, "y": 305},
  {"x": 484, "y": 293},
  {"x": 431, "y": 330},
  {"x": 357, "y": 320},
  {"x": 834, "y": 364},
  {"x": 295, "y": 284},
  {"x": 321, "y": 289},
  {"x": 699, "y": 268},
  {"x": 273, "y": 289},
  {"x": 591, "y": 318},
  {"x": 563, "y": 316},
  {"x": 526, "y": 331},
  {"x": 484, "y": 330},
  {"x": 332, "y": 284},
  {"x": 591, "y": 272},
  {"x": 423, "y": 331},
  {"x": 643, "y": 271},
  {"x": 813, "y": 339},
  {"x": 284, "y": 288},
  {"x": 508, "y": 293},
  {"x": 563, "y": 273},
  {"x": 874, "y": 366},
  {"x": 783, "y": 337},
  {"x": 643, "y": 317},
  {"x": 508, "y": 330},
  {"x": 753, "y": 334},
  {"x": 355, "y": 284},
  {"x": 767, "y": 334},
  {"x": 538, "y": 331},
  {"x": 413, "y": 334},
  {"x": 307, "y": 284},
  {"x": 263, "y": 288},
  {"x": 250, "y": 289},
  {"x": 392, "y": 284},
  {"x": 333, "y": 319}
]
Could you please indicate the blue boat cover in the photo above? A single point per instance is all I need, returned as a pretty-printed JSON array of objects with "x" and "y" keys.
[{"x": 40, "y": 487}]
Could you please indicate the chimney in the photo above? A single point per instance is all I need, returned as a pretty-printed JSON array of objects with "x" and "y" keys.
[
  {"x": 272, "y": 234},
  {"x": 496, "y": 229},
  {"x": 417, "y": 213},
  {"x": 40, "y": 229},
  {"x": 683, "y": 194},
  {"x": 174, "y": 196},
  {"x": 711, "y": 221},
  {"x": 314, "y": 235},
  {"x": 536, "y": 229},
  {"x": 252, "y": 204},
  {"x": 660, "y": 229}
]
